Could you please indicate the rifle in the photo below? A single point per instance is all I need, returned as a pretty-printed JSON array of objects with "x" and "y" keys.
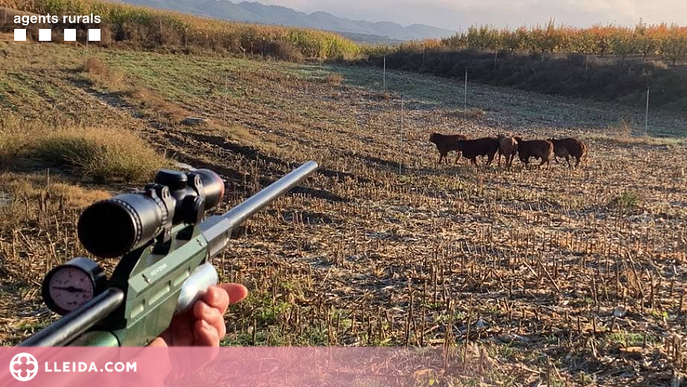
[{"x": 166, "y": 251}]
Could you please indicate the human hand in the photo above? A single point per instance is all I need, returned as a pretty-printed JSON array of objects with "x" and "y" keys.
[{"x": 203, "y": 325}]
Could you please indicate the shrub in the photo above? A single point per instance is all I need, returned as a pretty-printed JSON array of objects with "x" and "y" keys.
[{"x": 284, "y": 51}]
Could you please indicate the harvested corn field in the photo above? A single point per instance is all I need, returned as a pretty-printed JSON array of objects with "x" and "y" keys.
[{"x": 559, "y": 276}]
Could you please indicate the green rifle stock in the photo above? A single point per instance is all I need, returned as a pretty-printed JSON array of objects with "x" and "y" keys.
[{"x": 164, "y": 269}]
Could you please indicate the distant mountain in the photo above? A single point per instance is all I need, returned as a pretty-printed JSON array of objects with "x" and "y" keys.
[
  {"x": 369, "y": 39},
  {"x": 253, "y": 12}
]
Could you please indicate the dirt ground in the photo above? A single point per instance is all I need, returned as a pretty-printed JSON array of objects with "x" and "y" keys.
[{"x": 556, "y": 276}]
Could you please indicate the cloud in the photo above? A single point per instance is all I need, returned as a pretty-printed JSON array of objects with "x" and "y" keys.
[{"x": 454, "y": 14}]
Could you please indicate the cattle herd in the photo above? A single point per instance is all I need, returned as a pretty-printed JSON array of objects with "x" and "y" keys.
[{"x": 509, "y": 147}]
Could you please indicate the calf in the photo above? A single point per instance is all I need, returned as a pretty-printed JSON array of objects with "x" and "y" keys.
[
  {"x": 567, "y": 147},
  {"x": 446, "y": 143},
  {"x": 487, "y": 146},
  {"x": 508, "y": 146},
  {"x": 539, "y": 149}
]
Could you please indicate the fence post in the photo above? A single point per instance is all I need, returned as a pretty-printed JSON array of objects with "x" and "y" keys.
[
  {"x": 646, "y": 116},
  {"x": 402, "y": 113},
  {"x": 465, "y": 102},
  {"x": 226, "y": 92},
  {"x": 384, "y": 73},
  {"x": 586, "y": 63}
]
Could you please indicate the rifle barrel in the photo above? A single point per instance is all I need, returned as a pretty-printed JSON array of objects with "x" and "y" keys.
[
  {"x": 217, "y": 229},
  {"x": 72, "y": 325}
]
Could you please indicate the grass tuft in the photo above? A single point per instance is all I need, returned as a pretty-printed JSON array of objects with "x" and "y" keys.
[
  {"x": 334, "y": 79},
  {"x": 101, "y": 154},
  {"x": 626, "y": 200},
  {"x": 101, "y": 75},
  {"x": 474, "y": 113}
]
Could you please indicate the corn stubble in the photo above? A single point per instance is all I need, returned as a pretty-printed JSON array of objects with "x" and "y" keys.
[{"x": 522, "y": 276}]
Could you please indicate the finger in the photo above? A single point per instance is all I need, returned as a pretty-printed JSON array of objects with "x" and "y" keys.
[
  {"x": 237, "y": 292},
  {"x": 216, "y": 297},
  {"x": 221, "y": 295},
  {"x": 180, "y": 330},
  {"x": 205, "y": 335},
  {"x": 212, "y": 316}
]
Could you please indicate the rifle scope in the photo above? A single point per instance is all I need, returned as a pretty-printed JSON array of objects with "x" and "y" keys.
[{"x": 115, "y": 226}]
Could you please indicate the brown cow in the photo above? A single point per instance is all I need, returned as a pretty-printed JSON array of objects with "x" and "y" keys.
[
  {"x": 539, "y": 149},
  {"x": 446, "y": 143},
  {"x": 567, "y": 147},
  {"x": 508, "y": 146},
  {"x": 487, "y": 146}
]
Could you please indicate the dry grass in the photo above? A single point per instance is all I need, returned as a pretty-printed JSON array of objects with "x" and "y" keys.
[
  {"x": 158, "y": 106},
  {"x": 20, "y": 189},
  {"x": 101, "y": 154},
  {"x": 334, "y": 79},
  {"x": 45, "y": 201},
  {"x": 473, "y": 113},
  {"x": 105, "y": 78},
  {"x": 237, "y": 133},
  {"x": 101, "y": 75},
  {"x": 30, "y": 203}
]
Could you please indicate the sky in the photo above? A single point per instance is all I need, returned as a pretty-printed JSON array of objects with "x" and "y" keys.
[{"x": 457, "y": 14}]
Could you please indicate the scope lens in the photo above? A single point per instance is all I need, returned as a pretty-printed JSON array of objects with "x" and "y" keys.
[
  {"x": 107, "y": 229},
  {"x": 114, "y": 227}
]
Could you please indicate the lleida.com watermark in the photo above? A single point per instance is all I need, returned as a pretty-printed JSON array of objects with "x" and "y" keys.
[
  {"x": 45, "y": 34},
  {"x": 25, "y": 367}
]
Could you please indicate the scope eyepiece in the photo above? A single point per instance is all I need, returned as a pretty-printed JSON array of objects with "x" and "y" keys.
[
  {"x": 115, "y": 226},
  {"x": 213, "y": 187}
]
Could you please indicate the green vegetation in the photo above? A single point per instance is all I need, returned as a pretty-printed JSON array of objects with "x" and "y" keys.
[
  {"x": 629, "y": 339},
  {"x": 626, "y": 200},
  {"x": 575, "y": 75},
  {"x": 605, "y": 63}
]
